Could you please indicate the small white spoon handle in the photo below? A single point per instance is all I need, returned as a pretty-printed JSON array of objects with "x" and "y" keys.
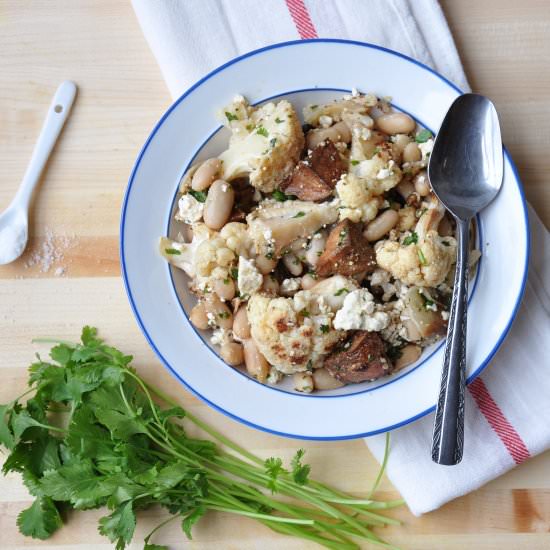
[{"x": 55, "y": 119}]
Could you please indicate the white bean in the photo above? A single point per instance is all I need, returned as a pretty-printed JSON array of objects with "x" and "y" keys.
[
  {"x": 218, "y": 312},
  {"x": 218, "y": 205},
  {"x": 298, "y": 246},
  {"x": 339, "y": 132},
  {"x": 381, "y": 225},
  {"x": 241, "y": 326},
  {"x": 395, "y": 123},
  {"x": 325, "y": 381},
  {"x": 412, "y": 153},
  {"x": 293, "y": 264},
  {"x": 256, "y": 364},
  {"x": 205, "y": 174},
  {"x": 270, "y": 284},
  {"x": 409, "y": 354},
  {"x": 315, "y": 249},
  {"x": 309, "y": 281},
  {"x": 405, "y": 188},
  {"x": 232, "y": 353},
  {"x": 198, "y": 316},
  {"x": 224, "y": 288},
  {"x": 421, "y": 184},
  {"x": 400, "y": 142},
  {"x": 265, "y": 265},
  {"x": 303, "y": 382}
]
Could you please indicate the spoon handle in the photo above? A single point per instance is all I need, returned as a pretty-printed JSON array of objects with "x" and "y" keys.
[
  {"x": 55, "y": 119},
  {"x": 448, "y": 434}
]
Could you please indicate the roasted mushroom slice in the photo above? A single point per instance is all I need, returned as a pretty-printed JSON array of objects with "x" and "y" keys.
[
  {"x": 423, "y": 319},
  {"x": 347, "y": 252},
  {"x": 327, "y": 163},
  {"x": 306, "y": 184},
  {"x": 364, "y": 359}
]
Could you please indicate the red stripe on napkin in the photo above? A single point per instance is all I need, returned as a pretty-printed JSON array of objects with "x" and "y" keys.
[
  {"x": 301, "y": 19},
  {"x": 505, "y": 431}
]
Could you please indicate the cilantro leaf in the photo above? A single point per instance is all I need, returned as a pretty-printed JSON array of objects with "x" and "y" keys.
[
  {"x": 40, "y": 520},
  {"x": 20, "y": 421},
  {"x": 231, "y": 116},
  {"x": 198, "y": 195},
  {"x": 89, "y": 336},
  {"x": 148, "y": 546},
  {"x": 120, "y": 525},
  {"x": 262, "y": 131},
  {"x": 410, "y": 239},
  {"x": 191, "y": 519},
  {"x": 6, "y": 437},
  {"x": 300, "y": 472},
  {"x": 423, "y": 136},
  {"x": 273, "y": 467}
]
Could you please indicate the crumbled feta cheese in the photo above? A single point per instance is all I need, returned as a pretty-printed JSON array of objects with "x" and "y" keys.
[
  {"x": 221, "y": 336},
  {"x": 385, "y": 172},
  {"x": 189, "y": 209},
  {"x": 302, "y": 300},
  {"x": 274, "y": 376},
  {"x": 290, "y": 286},
  {"x": 445, "y": 315},
  {"x": 325, "y": 121},
  {"x": 354, "y": 92},
  {"x": 249, "y": 279},
  {"x": 359, "y": 313},
  {"x": 211, "y": 319},
  {"x": 426, "y": 150}
]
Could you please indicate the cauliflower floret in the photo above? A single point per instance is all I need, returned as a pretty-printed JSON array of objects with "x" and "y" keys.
[
  {"x": 422, "y": 258},
  {"x": 236, "y": 238},
  {"x": 330, "y": 293},
  {"x": 358, "y": 203},
  {"x": 338, "y": 109},
  {"x": 380, "y": 172},
  {"x": 275, "y": 225},
  {"x": 212, "y": 253},
  {"x": 291, "y": 337},
  {"x": 184, "y": 255},
  {"x": 265, "y": 144},
  {"x": 359, "y": 312}
]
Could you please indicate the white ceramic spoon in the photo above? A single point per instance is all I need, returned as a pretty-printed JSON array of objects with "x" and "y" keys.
[{"x": 14, "y": 221}]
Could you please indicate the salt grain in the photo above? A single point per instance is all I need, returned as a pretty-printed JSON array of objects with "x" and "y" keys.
[{"x": 51, "y": 252}]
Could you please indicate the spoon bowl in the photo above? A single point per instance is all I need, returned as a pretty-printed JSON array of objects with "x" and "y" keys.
[
  {"x": 465, "y": 172},
  {"x": 13, "y": 234}
]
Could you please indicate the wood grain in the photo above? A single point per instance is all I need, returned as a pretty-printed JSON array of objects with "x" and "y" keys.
[{"x": 505, "y": 46}]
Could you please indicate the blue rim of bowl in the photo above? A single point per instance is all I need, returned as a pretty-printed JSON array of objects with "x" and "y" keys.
[
  {"x": 369, "y": 387},
  {"x": 474, "y": 375}
]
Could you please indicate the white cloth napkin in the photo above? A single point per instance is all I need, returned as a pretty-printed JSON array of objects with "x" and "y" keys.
[{"x": 507, "y": 408}]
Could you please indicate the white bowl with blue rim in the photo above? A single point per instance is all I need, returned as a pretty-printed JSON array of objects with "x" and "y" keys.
[{"x": 311, "y": 71}]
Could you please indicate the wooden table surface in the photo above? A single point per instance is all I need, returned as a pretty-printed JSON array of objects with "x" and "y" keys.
[{"x": 505, "y": 46}]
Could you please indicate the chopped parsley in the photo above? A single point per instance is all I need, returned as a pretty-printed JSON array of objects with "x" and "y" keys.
[
  {"x": 226, "y": 281},
  {"x": 278, "y": 195},
  {"x": 309, "y": 365},
  {"x": 231, "y": 116},
  {"x": 422, "y": 258},
  {"x": 279, "y": 121},
  {"x": 224, "y": 314},
  {"x": 262, "y": 131},
  {"x": 445, "y": 243},
  {"x": 272, "y": 142},
  {"x": 313, "y": 107},
  {"x": 300, "y": 214},
  {"x": 354, "y": 162},
  {"x": 305, "y": 313},
  {"x": 250, "y": 127},
  {"x": 324, "y": 328},
  {"x": 394, "y": 353},
  {"x": 410, "y": 239},
  {"x": 198, "y": 195},
  {"x": 341, "y": 291},
  {"x": 269, "y": 255},
  {"x": 234, "y": 273},
  {"x": 172, "y": 251},
  {"x": 423, "y": 136}
]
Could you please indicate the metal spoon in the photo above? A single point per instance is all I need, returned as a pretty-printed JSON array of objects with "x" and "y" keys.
[
  {"x": 14, "y": 220},
  {"x": 465, "y": 172}
]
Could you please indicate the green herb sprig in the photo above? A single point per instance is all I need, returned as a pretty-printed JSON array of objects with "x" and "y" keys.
[{"x": 91, "y": 435}]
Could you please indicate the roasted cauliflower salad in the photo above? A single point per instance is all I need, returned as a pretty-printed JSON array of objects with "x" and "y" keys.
[{"x": 316, "y": 250}]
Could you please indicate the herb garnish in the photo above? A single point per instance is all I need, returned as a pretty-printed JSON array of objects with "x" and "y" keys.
[
  {"x": 198, "y": 195},
  {"x": 341, "y": 291},
  {"x": 262, "y": 131},
  {"x": 278, "y": 195},
  {"x": 172, "y": 251},
  {"x": 278, "y": 120},
  {"x": 410, "y": 239},
  {"x": 324, "y": 328},
  {"x": 272, "y": 142},
  {"x": 116, "y": 447},
  {"x": 231, "y": 116},
  {"x": 423, "y": 136},
  {"x": 422, "y": 258},
  {"x": 354, "y": 162},
  {"x": 300, "y": 214},
  {"x": 234, "y": 273}
]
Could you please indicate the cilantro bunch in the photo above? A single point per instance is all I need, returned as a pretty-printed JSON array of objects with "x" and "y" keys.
[{"x": 91, "y": 435}]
